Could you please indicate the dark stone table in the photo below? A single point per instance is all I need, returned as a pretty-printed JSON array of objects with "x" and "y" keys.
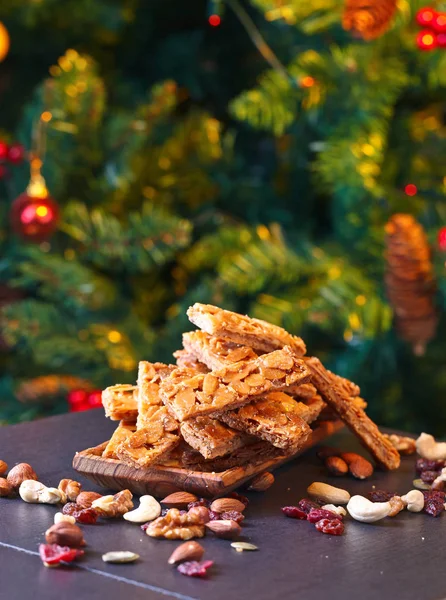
[{"x": 400, "y": 558}]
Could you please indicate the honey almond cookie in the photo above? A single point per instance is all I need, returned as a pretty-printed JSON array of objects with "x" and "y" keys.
[
  {"x": 120, "y": 403},
  {"x": 188, "y": 360},
  {"x": 189, "y": 394},
  {"x": 242, "y": 329},
  {"x": 150, "y": 376},
  {"x": 274, "y": 418},
  {"x": 255, "y": 451},
  {"x": 120, "y": 435},
  {"x": 210, "y": 437},
  {"x": 353, "y": 416},
  {"x": 147, "y": 446},
  {"x": 216, "y": 352},
  {"x": 304, "y": 391}
]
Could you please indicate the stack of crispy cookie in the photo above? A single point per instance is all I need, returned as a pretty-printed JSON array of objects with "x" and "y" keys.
[{"x": 242, "y": 391}]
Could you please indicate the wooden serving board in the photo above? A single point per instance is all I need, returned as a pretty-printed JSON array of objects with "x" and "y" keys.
[{"x": 163, "y": 480}]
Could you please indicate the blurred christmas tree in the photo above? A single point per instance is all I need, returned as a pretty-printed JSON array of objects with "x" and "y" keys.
[{"x": 245, "y": 154}]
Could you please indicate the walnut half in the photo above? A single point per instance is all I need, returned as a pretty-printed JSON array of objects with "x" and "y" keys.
[{"x": 177, "y": 526}]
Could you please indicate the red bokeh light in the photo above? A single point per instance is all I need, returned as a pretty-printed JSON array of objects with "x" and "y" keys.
[
  {"x": 426, "y": 40},
  {"x": 411, "y": 189},
  {"x": 425, "y": 16},
  {"x": 214, "y": 20}
]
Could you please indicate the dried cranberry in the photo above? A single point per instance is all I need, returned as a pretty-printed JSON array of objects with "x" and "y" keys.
[
  {"x": 201, "y": 502},
  {"x": 434, "y": 493},
  {"x": 214, "y": 515},
  {"x": 316, "y": 514},
  {"x": 429, "y": 476},
  {"x": 434, "y": 506},
  {"x": 330, "y": 526},
  {"x": 87, "y": 516},
  {"x": 70, "y": 508},
  {"x": 294, "y": 512},
  {"x": 53, "y": 554},
  {"x": 423, "y": 464},
  {"x": 194, "y": 568},
  {"x": 239, "y": 497},
  {"x": 232, "y": 515},
  {"x": 380, "y": 496},
  {"x": 306, "y": 505}
]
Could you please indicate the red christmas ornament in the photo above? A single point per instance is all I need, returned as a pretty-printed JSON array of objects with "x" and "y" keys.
[
  {"x": 442, "y": 239},
  {"x": 441, "y": 40},
  {"x": 425, "y": 16},
  {"x": 410, "y": 189},
  {"x": 16, "y": 153},
  {"x": 3, "y": 150},
  {"x": 426, "y": 40},
  {"x": 78, "y": 400},
  {"x": 214, "y": 20},
  {"x": 94, "y": 399},
  {"x": 439, "y": 23},
  {"x": 34, "y": 217}
]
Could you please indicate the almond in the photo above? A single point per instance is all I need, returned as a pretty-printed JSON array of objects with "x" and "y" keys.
[
  {"x": 225, "y": 504},
  {"x": 225, "y": 528},
  {"x": 186, "y": 551},
  {"x": 179, "y": 499},
  {"x": 86, "y": 499},
  {"x": 328, "y": 494},
  {"x": 262, "y": 482},
  {"x": 358, "y": 466},
  {"x": 336, "y": 466}
]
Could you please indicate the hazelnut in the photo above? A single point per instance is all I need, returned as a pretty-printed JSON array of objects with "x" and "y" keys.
[
  {"x": 20, "y": 473},
  {"x": 5, "y": 488},
  {"x": 3, "y": 467},
  {"x": 70, "y": 488},
  {"x": 86, "y": 499},
  {"x": 65, "y": 534}
]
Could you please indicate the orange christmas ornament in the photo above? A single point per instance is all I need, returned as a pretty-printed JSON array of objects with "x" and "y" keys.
[
  {"x": 4, "y": 42},
  {"x": 410, "y": 281},
  {"x": 368, "y": 18}
]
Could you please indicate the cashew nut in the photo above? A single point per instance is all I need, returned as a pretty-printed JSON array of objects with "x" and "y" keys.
[
  {"x": 414, "y": 500},
  {"x": 148, "y": 510},
  {"x": 339, "y": 510},
  {"x": 364, "y": 510},
  {"x": 37, "y": 493},
  {"x": 428, "y": 448},
  {"x": 61, "y": 518},
  {"x": 438, "y": 483}
]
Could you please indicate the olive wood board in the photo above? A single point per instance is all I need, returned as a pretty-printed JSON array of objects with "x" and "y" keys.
[{"x": 163, "y": 480}]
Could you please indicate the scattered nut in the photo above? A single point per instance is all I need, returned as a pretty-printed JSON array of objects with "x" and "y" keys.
[
  {"x": 358, "y": 466},
  {"x": 61, "y": 518},
  {"x": 420, "y": 485},
  {"x": 397, "y": 505},
  {"x": 70, "y": 488},
  {"x": 35, "y": 492},
  {"x": 226, "y": 529},
  {"x": 438, "y": 483},
  {"x": 120, "y": 556},
  {"x": 19, "y": 473},
  {"x": 428, "y": 448},
  {"x": 200, "y": 513},
  {"x": 328, "y": 493},
  {"x": 404, "y": 445},
  {"x": 362, "y": 509},
  {"x": 86, "y": 499},
  {"x": 225, "y": 504},
  {"x": 179, "y": 499},
  {"x": 241, "y": 546},
  {"x": 65, "y": 534},
  {"x": 414, "y": 500},
  {"x": 148, "y": 510},
  {"x": 336, "y": 466},
  {"x": 339, "y": 510},
  {"x": 3, "y": 467},
  {"x": 176, "y": 526},
  {"x": 262, "y": 482},
  {"x": 6, "y": 488},
  {"x": 114, "y": 506},
  {"x": 186, "y": 551}
]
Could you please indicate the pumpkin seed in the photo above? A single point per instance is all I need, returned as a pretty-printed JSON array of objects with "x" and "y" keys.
[{"x": 241, "y": 546}]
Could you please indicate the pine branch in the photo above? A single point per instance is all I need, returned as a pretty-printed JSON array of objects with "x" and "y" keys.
[{"x": 149, "y": 240}]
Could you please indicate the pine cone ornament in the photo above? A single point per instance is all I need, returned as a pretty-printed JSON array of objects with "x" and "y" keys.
[
  {"x": 410, "y": 281},
  {"x": 368, "y": 18}
]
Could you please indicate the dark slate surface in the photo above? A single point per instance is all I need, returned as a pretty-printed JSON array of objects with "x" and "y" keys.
[{"x": 401, "y": 558}]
